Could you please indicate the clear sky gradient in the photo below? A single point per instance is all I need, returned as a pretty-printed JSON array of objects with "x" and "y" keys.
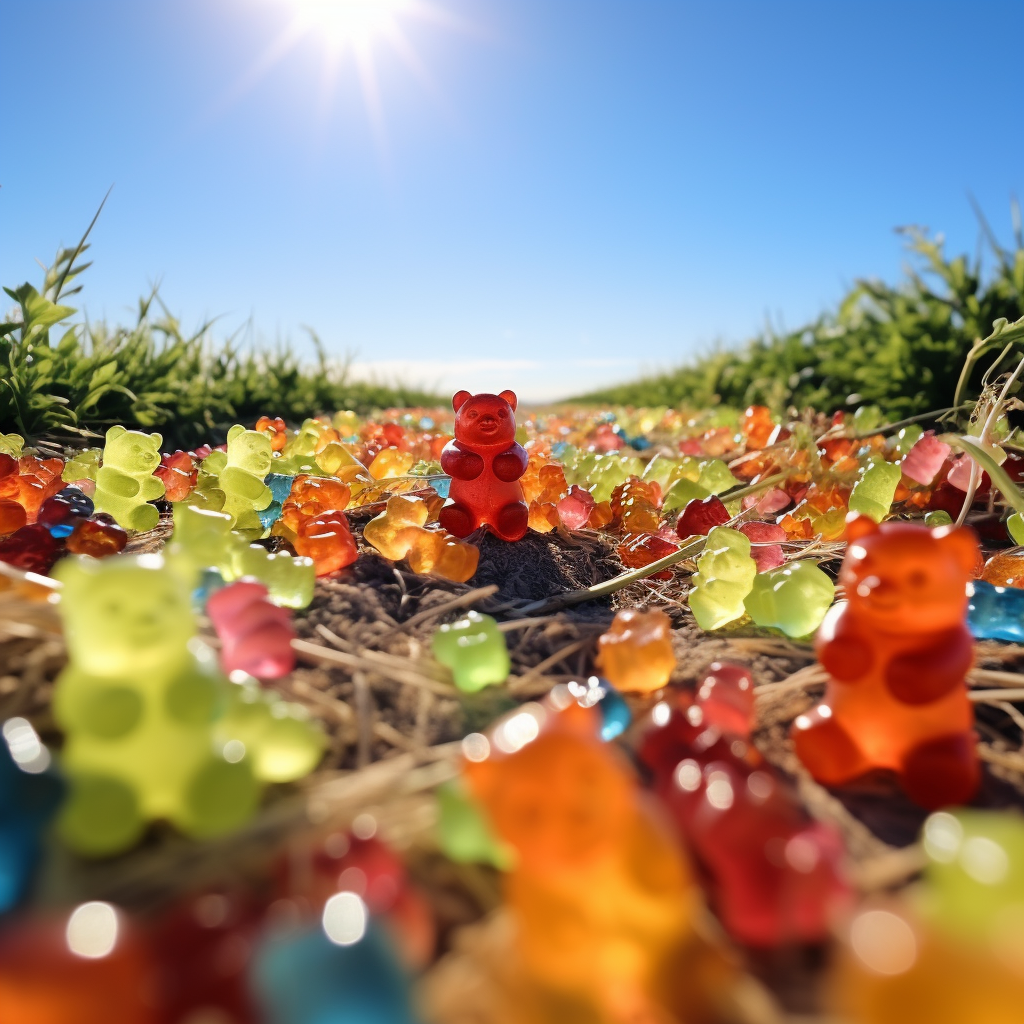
[{"x": 548, "y": 195}]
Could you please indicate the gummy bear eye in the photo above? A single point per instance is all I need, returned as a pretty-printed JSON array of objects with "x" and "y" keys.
[{"x": 918, "y": 578}]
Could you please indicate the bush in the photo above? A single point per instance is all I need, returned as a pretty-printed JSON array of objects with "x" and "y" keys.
[{"x": 901, "y": 348}]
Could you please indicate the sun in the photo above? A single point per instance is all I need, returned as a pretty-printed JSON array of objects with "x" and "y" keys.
[{"x": 348, "y": 22}]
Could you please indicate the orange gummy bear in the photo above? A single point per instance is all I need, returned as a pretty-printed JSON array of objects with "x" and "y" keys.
[
  {"x": 1005, "y": 569},
  {"x": 601, "y": 896},
  {"x": 897, "y": 651},
  {"x": 635, "y": 655},
  {"x": 327, "y": 540},
  {"x": 390, "y": 531},
  {"x": 757, "y": 425},
  {"x": 442, "y": 554}
]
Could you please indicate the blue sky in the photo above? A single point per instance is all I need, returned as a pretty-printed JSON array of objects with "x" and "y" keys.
[{"x": 553, "y": 194}]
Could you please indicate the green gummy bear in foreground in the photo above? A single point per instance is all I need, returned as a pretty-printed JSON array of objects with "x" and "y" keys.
[
  {"x": 872, "y": 494},
  {"x": 463, "y": 832},
  {"x": 152, "y": 729},
  {"x": 125, "y": 483},
  {"x": 240, "y": 475},
  {"x": 474, "y": 649},
  {"x": 975, "y": 872},
  {"x": 793, "y": 598},
  {"x": 82, "y": 466},
  {"x": 724, "y": 577}
]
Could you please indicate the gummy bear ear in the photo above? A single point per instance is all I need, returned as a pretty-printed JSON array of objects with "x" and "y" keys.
[
  {"x": 115, "y": 432},
  {"x": 961, "y": 542},
  {"x": 510, "y": 397},
  {"x": 859, "y": 525},
  {"x": 158, "y": 439},
  {"x": 460, "y": 399},
  {"x": 234, "y": 431}
]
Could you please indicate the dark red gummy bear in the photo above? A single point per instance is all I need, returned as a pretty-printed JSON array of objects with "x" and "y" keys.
[
  {"x": 701, "y": 516},
  {"x": 640, "y": 549},
  {"x": 33, "y": 548},
  {"x": 726, "y": 698},
  {"x": 256, "y": 636},
  {"x": 485, "y": 464}
]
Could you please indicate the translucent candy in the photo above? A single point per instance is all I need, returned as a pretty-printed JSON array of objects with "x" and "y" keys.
[
  {"x": 873, "y": 493},
  {"x": 388, "y": 532},
  {"x": 475, "y": 651},
  {"x": 240, "y": 473},
  {"x": 391, "y": 462},
  {"x": 725, "y": 576},
  {"x": 794, "y": 598},
  {"x": 255, "y": 635},
  {"x": 327, "y": 540},
  {"x": 635, "y": 655},
  {"x": 701, "y": 516},
  {"x": 995, "y": 613},
  {"x": 125, "y": 483}
]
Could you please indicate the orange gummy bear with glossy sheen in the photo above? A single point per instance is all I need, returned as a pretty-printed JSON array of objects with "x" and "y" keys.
[
  {"x": 635, "y": 655},
  {"x": 898, "y": 651},
  {"x": 485, "y": 464},
  {"x": 326, "y": 539},
  {"x": 600, "y": 893}
]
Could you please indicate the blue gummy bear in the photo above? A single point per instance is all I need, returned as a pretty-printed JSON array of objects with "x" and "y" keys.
[
  {"x": 280, "y": 485},
  {"x": 80, "y": 502},
  {"x": 270, "y": 514},
  {"x": 302, "y": 977},
  {"x": 441, "y": 484},
  {"x": 29, "y": 798},
  {"x": 62, "y": 530},
  {"x": 615, "y": 714},
  {"x": 210, "y": 581},
  {"x": 995, "y": 613}
]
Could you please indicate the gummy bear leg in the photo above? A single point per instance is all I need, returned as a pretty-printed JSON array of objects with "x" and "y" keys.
[
  {"x": 827, "y": 750},
  {"x": 942, "y": 772},
  {"x": 101, "y": 816},
  {"x": 511, "y": 521},
  {"x": 143, "y": 518},
  {"x": 220, "y": 797},
  {"x": 457, "y": 519}
]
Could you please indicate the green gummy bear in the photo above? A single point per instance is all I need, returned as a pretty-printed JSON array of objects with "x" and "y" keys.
[
  {"x": 240, "y": 474},
  {"x": 152, "y": 728},
  {"x": 867, "y": 418},
  {"x": 975, "y": 871},
  {"x": 872, "y": 494},
  {"x": 906, "y": 439},
  {"x": 463, "y": 832},
  {"x": 682, "y": 492},
  {"x": 289, "y": 580},
  {"x": 12, "y": 444},
  {"x": 724, "y": 577},
  {"x": 715, "y": 476},
  {"x": 202, "y": 539},
  {"x": 82, "y": 466},
  {"x": 125, "y": 483},
  {"x": 663, "y": 470},
  {"x": 303, "y": 441},
  {"x": 793, "y": 598},
  {"x": 609, "y": 471},
  {"x": 474, "y": 649}
]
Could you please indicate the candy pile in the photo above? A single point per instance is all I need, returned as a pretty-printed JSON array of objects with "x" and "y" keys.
[{"x": 620, "y": 803}]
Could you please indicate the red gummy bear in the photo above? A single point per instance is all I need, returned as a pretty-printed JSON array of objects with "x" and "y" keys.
[
  {"x": 775, "y": 876},
  {"x": 701, "y": 516},
  {"x": 255, "y": 635},
  {"x": 898, "y": 652},
  {"x": 485, "y": 465}
]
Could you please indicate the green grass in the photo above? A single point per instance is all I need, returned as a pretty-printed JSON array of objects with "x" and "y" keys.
[
  {"x": 899, "y": 347},
  {"x": 60, "y": 381}
]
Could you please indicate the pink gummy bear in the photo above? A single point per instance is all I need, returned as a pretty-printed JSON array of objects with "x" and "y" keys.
[
  {"x": 255, "y": 635},
  {"x": 485, "y": 465}
]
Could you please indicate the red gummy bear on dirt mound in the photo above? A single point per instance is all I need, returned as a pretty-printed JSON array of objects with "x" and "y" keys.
[
  {"x": 485, "y": 465},
  {"x": 898, "y": 651}
]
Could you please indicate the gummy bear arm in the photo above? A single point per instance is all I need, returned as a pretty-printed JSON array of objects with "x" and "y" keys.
[
  {"x": 152, "y": 488},
  {"x": 117, "y": 483},
  {"x": 510, "y": 465},
  {"x": 929, "y": 673},
  {"x": 841, "y": 648},
  {"x": 459, "y": 464},
  {"x": 244, "y": 484}
]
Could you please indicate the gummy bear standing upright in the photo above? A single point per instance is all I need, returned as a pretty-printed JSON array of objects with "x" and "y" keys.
[
  {"x": 485, "y": 464},
  {"x": 240, "y": 475},
  {"x": 898, "y": 651},
  {"x": 125, "y": 483}
]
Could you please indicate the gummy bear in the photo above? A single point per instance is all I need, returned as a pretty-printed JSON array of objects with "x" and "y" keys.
[
  {"x": 641, "y": 549},
  {"x": 255, "y": 635},
  {"x": 766, "y": 553},
  {"x": 151, "y": 729},
  {"x": 125, "y": 483},
  {"x": 179, "y": 474},
  {"x": 391, "y": 462},
  {"x": 758, "y": 426},
  {"x": 61, "y": 513},
  {"x": 952, "y": 954},
  {"x": 240, "y": 474},
  {"x": 98, "y": 536},
  {"x": 90, "y": 967},
  {"x": 289, "y": 579},
  {"x": 390, "y": 531},
  {"x": 327, "y": 540},
  {"x": 635, "y": 655},
  {"x": 724, "y": 577},
  {"x": 596, "y": 692},
  {"x": 575, "y": 508},
  {"x": 485, "y": 464},
  {"x": 82, "y": 466},
  {"x": 1004, "y": 569},
  {"x": 275, "y": 429},
  {"x": 794, "y": 598},
  {"x": 897, "y": 651},
  {"x": 993, "y": 613},
  {"x": 201, "y": 539},
  {"x": 30, "y": 792},
  {"x": 567, "y": 804},
  {"x": 32, "y": 548},
  {"x": 701, "y": 516},
  {"x": 12, "y": 445},
  {"x": 475, "y": 650},
  {"x": 443, "y": 555},
  {"x": 872, "y": 494}
]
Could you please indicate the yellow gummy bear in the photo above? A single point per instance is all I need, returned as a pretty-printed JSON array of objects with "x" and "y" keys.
[
  {"x": 387, "y": 532},
  {"x": 125, "y": 483},
  {"x": 240, "y": 474}
]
